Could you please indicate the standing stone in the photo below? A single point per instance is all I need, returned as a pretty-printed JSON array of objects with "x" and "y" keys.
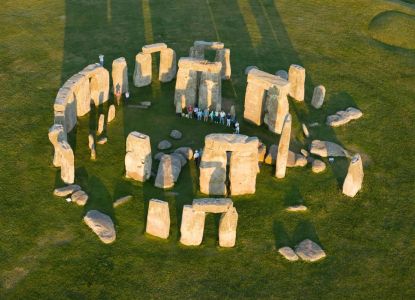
[
  {"x": 101, "y": 122},
  {"x": 142, "y": 72},
  {"x": 91, "y": 141},
  {"x": 167, "y": 70},
  {"x": 213, "y": 172},
  {"x": 119, "y": 76},
  {"x": 111, "y": 113},
  {"x": 223, "y": 56},
  {"x": 209, "y": 90},
  {"x": 262, "y": 151},
  {"x": 318, "y": 96},
  {"x": 101, "y": 225},
  {"x": 67, "y": 162},
  {"x": 138, "y": 157},
  {"x": 283, "y": 148},
  {"x": 158, "y": 218},
  {"x": 272, "y": 155},
  {"x": 168, "y": 171},
  {"x": 277, "y": 107},
  {"x": 227, "y": 228},
  {"x": 354, "y": 179},
  {"x": 192, "y": 227},
  {"x": 282, "y": 73},
  {"x": 186, "y": 87},
  {"x": 56, "y": 134},
  {"x": 296, "y": 77},
  {"x": 243, "y": 171},
  {"x": 254, "y": 99}
]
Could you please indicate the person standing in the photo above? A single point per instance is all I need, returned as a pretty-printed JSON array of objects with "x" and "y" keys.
[
  {"x": 237, "y": 127},
  {"x": 206, "y": 114},
  {"x": 189, "y": 111},
  {"x": 196, "y": 157},
  {"x": 196, "y": 112},
  {"x": 212, "y": 116},
  {"x": 216, "y": 117},
  {"x": 228, "y": 120}
]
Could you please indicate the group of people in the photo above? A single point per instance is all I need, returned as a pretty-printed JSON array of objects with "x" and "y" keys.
[{"x": 218, "y": 117}]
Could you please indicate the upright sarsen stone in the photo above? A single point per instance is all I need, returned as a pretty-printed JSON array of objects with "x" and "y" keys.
[
  {"x": 119, "y": 76},
  {"x": 192, "y": 227},
  {"x": 167, "y": 70},
  {"x": 209, "y": 90},
  {"x": 186, "y": 87},
  {"x": 224, "y": 56},
  {"x": 318, "y": 96},
  {"x": 227, "y": 228},
  {"x": 283, "y": 148},
  {"x": 158, "y": 218},
  {"x": 277, "y": 107},
  {"x": 354, "y": 179},
  {"x": 56, "y": 135},
  {"x": 243, "y": 171},
  {"x": 296, "y": 77},
  {"x": 138, "y": 157},
  {"x": 67, "y": 162},
  {"x": 142, "y": 72}
]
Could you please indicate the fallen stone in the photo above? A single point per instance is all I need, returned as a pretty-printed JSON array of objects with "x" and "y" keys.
[
  {"x": 164, "y": 145},
  {"x": 192, "y": 227},
  {"x": 318, "y": 96},
  {"x": 325, "y": 149},
  {"x": 101, "y": 225},
  {"x": 138, "y": 106},
  {"x": 158, "y": 218},
  {"x": 318, "y": 166},
  {"x": 102, "y": 140},
  {"x": 212, "y": 205},
  {"x": 354, "y": 179},
  {"x": 288, "y": 253},
  {"x": 309, "y": 251},
  {"x": 145, "y": 103},
  {"x": 168, "y": 172},
  {"x": 111, "y": 113},
  {"x": 296, "y": 160},
  {"x": 282, "y": 73},
  {"x": 187, "y": 152},
  {"x": 305, "y": 130},
  {"x": 227, "y": 228},
  {"x": 170, "y": 193},
  {"x": 66, "y": 190},
  {"x": 122, "y": 200},
  {"x": 315, "y": 124},
  {"x": 296, "y": 208},
  {"x": 79, "y": 197},
  {"x": 183, "y": 161},
  {"x": 175, "y": 134},
  {"x": 343, "y": 117},
  {"x": 304, "y": 152}
]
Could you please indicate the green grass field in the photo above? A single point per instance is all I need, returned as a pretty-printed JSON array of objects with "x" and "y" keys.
[{"x": 47, "y": 252}]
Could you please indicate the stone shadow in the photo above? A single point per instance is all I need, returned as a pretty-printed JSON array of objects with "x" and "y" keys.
[{"x": 282, "y": 238}]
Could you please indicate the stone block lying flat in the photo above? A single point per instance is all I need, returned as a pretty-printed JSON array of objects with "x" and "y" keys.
[
  {"x": 148, "y": 49},
  {"x": 212, "y": 205},
  {"x": 101, "y": 225}
]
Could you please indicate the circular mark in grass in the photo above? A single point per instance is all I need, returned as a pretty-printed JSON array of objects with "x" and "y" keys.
[{"x": 394, "y": 28}]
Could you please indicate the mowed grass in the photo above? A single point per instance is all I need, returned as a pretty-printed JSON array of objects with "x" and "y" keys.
[{"x": 47, "y": 252}]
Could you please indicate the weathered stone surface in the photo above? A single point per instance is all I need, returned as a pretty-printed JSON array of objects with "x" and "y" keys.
[
  {"x": 168, "y": 171},
  {"x": 176, "y": 134},
  {"x": 210, "y": 90},
  {"x": 325, "y": 149},
  {"x": 56, "y": 134},
  {"x": 148, "y": 49},
  {"x": 79, "y": 88},
  {"x": 288, "y": 253},
  {"x": 67, "y": 162},
  {"x": 102, "y": 141},
  {"x": 213, "y": 173},
  {"x": 66, "y": 190},
  {"x": 249, "y": 68},
  {"x": 93, "y": 152},
  {"x": 282, "y": 73},
  {"x": 305, "y": 130},
  {"x": 192, "y": 227},
  {"x": 187, "y": 152},
  {"x": 232, "y": 112},
  {"x": 101, "y": 123},
  {"x": 227, "y": 228},
  {"x": 262, "y": 150},
  {"x": 354, "y": 179},
  {"x": 224, "y": 56},
  {"x": 277, "y": 106},
  {"x": 309, "y": 251},
  {"x": 168, "y": 68},
  {"x": 296, "y": 77},
  {"x": 343, "y": 117},
  {"x": 259, "y": 83},
  {"x": 138, "y": 156},
  {"x": 318, "y": 166},
  {"x": 79, "y": 197},
  {"x": 142, "y": 71},
  {"x": 296, "y": 208},
  {"x": 119, "y": 76},
  {"x": 283, "y": 146},
  {"x": 122, "y": 200},
  {"x": 99, "y": 80},
  {"x": 91, "y": 141},
  {"x": 101, "y": 225},
  {"x": 296, "y": 160},
  {"x": 208, "y": 45},
  {"x": 305, "y": 153},
  {"x": 111, "y": 113},
  {"x": 243, "y": 171},
  {"x": 164, "y": 145},
  {"x": 318, "y": 96},
  {"x": 180, "y": 157},
  {"x": 212, "y": 205},
  {"x": 186, "y": 87},
  {"x": 159, "y": 155},
  {"x": 158, "y": 218},
  {"x": 271, "y": 157}
]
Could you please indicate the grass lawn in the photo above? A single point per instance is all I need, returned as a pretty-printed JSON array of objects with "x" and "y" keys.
[{"x": 46, "y": 252}]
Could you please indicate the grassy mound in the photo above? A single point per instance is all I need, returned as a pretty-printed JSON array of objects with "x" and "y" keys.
[{"x": 394, "y": 28}]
